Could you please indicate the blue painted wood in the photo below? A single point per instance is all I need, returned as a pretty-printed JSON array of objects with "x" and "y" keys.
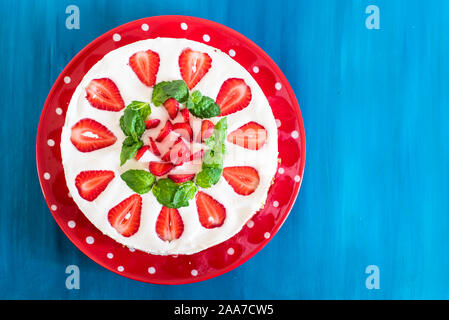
[{"x": 376, "y": 184}]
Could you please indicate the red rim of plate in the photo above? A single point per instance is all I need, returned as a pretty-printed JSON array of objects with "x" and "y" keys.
[{"x": 213, "y": 261}]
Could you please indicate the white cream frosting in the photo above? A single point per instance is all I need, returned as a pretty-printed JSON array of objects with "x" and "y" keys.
[{"x": 239, "y": 209}]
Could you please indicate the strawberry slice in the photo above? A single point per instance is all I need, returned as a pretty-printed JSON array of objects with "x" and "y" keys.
[
  {"x": 165, "y": 131},
  {"x": 141, "y": 152},
  {"x": 210, "y": 212},
  {"x": 180, "y": 178},
  {"x": 250, "y": 136},
  {"x": 160, "y": 168},
  {"x": 125, "y": 217},
  {"x": 154, "y": 148},
  {"x": 89, "y": 135},
  {"x": 234, "y": 95},
  {"x": 178, "y": 153},
  {"x": 103, "y": 94},
  {"x": 169, "y": 225},
  {"x": 185, "y": 114},
  {"x": 91, "y": 183},
  {"x": 152, "y": 123},
  {"x": 172, "y": 106},
  {"x": 207, "y": 128},
  {"x": 145, "y": 65},
  {"x": 193, "y": 66},
  {"x": 244, "y": 180},
  {"x": 184, "y": 129}
]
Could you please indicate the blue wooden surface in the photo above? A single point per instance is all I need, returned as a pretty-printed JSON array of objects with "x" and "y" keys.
[{"x": 376, "y": 185}]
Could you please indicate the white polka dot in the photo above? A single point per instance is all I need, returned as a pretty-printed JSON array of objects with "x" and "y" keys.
[
  {"x": 250, "y": 224},
  {"x": 206, "y": 38},
  {"x": 256, "y": 69},
  {"x": 297, "y": 178},
  {"x": 174, "y": 256},
  {"x": 281, "y": 170},
  {"x": 194, "y": 272},
  {"x": 151, "y": 270},
  {"x": 51, "y": 142},
  {"x": 47, "y": 176},
  {"x": 110, "y": 255},
  {"x": 67, "y": 79},
  {"x": 132, "y": 249},
  {"x": 275, "y": 204},
  {"x": 120, "y": 268},
  {"x": 232, "y": 53},
  {"x": 231, "y": 251},
  {"x": 54, "y": 207},
  {"x": 278, "y": 123},
  {"x": 116, "y": 37},
  {"x": 145, "y": 27},
  {"x": 69, "y": 195},
  {"x": 58, "y": 111},
  {"x": 266, "y": 235},
  {"x": 295, "y": 134},
  {"x": 278, "y": 86},
  {"x": 71, "y": 224},
  {"x": 90, "y": 240},
  {"x": 184, "y": 26}
]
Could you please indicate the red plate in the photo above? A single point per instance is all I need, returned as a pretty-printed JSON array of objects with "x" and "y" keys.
[{"x": 216, "y": 260}]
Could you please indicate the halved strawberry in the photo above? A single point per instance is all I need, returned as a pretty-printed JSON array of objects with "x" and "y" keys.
[
  {"x": 185, "y": 114},
  {"x": 145, "y": 65},
  {"x": 103, "y": 94},
  {"x": 193, "y": 65},
  {"x": 178, "y": 153},
  {"x": 154, "y": 148},
  {"x": 125, "y": 217},
  {"x": 244, "y": 180},
  {"x": 152, "y": 123},
  {"x": 210, "y": 212},
  {"x": 172, "y": 107},
  {"x": 184, "y": 129},
  {"x": 89, "y": 135},
  {"x": 207, "y": 128},
  {"x": 169, "y": 225},
  {"x": 91, "y": 183},
  {"x": 234, "y": 95},
  {"x": 141, "y": 152},
  {"x": 160, "y": 168},
  {"x": 180, "y": 178},
  {"x": 165, "y": 131},
  {"x": 250, "y": 136}
]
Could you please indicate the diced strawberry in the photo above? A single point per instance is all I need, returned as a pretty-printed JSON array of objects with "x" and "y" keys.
[
  {"x": 169, "y": 225},
  {"x": 165, "y": 131},
  {"x": 103, "y": 94},
  {"x": 185, "y": 114},
  {"x": 234, "y": 95},
  {"x": 210, "y": 212},
  {"x": 91, "y": 183},
  {"x": 250, "y": 136},
  {"x": 172, "y": 106},
  {"x": 244, "y": 180},
  {"x": 141, "y": 152},
  {"x": 160, "y": 168},
  {"x": 207, "y": 128},
  {"x": 184, "y": 129},
  {"x": 152, "y": 123},
  {"x": 180, "y": 178},
  {"x": 89, "y": 135},
  {"x": 145, "y": 65},
  {"x": 193, "y": 65},
  {"x": 197, "y": 155},
  {"x": 178, "y": 153},
  {"x": 153, "y": 147},
  {"x": 125, "y": 217}
]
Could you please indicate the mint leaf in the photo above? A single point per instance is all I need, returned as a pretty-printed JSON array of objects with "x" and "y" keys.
[
  {"x": 144, "y": 108},
  {"x": 172, "y": 195},
  {"x": 139, "y": 181},
  {"x": 202, "y": 106},
  {"x": 176, "y": 89},
  {"x": 129, "y": 149},
  {"x": 208, "y": 176}
]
